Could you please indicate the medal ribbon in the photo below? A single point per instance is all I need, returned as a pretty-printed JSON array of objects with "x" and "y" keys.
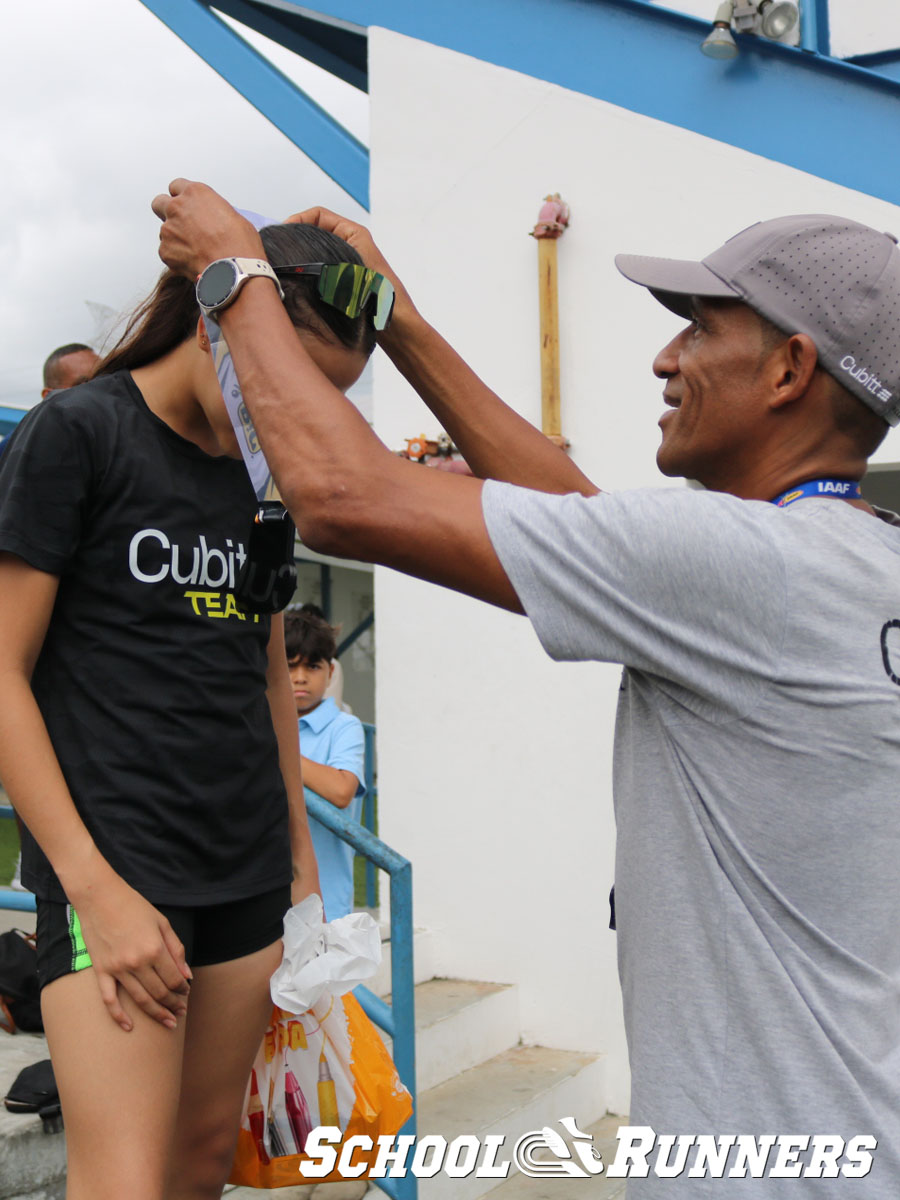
[{"x": 831, "y": 489}]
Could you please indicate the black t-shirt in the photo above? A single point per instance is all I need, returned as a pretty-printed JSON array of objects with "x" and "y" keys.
[{"x": 151, "y": 683}]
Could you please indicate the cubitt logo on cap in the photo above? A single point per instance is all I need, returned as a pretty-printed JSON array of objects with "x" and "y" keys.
[{"x": 869, "y": 381}]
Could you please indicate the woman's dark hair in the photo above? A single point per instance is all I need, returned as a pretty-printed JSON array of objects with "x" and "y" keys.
[
  {"x": 170, "y": 313},
  {"x": 308, "y": 636}
]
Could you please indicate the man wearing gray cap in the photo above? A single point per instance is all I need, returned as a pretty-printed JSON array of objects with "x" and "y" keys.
[{"x": 758, "y": 739}]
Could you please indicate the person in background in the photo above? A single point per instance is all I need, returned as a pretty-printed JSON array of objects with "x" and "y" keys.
[
  {"x": 332, "y": 749},
  {"x": 68, "y": 365}
]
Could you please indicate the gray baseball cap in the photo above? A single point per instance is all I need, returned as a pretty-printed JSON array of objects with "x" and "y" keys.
[{"x": 833, "y": 279}]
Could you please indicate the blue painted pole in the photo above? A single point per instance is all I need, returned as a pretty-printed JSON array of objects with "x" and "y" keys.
[
  {"x": 369, "y": 807},
  {"x": 10, "y": 899},
  {"x": 375, "y": 1008},
  {"x": 815, "y": 33},
  {"x": 399, "y": 1018},
  {"x": 403, "y": 1003},
  {"x": 290, "y": 109},
  {"x": 11, "y": 414},
  {"x": 16, "y": 901}
]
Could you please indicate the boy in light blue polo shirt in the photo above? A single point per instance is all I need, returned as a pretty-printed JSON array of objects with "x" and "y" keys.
[{"x": 332, "y": 749}]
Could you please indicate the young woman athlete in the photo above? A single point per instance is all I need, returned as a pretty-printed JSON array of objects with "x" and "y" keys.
[{"x": 148, "y": 739}]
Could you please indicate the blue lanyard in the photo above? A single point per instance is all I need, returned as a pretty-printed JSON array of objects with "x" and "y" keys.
[{"x": 833, "y": 489}]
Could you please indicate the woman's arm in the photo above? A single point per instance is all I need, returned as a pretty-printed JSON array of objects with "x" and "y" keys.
[
  {"x": 333, "y": 784},
  {"x": 131, "y": 944},
  {"x": 284, "y": 718}
]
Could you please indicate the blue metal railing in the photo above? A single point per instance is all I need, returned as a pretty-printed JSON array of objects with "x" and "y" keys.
[
  {"x": 398, "y": 1019},
  {"x": 9, "y": 897},
  {"x": 368, "y": 809}
]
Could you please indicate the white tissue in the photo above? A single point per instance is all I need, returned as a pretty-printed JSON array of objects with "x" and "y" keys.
[{"x": 323, "y": 959}]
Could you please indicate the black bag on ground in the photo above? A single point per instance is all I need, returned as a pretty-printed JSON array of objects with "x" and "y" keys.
[{"x": 20, "y": 993}]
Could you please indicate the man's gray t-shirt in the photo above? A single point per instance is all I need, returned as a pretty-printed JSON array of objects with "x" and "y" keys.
[{"x": 757, "y": 798}]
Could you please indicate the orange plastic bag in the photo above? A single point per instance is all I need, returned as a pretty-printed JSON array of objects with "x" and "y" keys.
[{"x": 327, "y": 1066}]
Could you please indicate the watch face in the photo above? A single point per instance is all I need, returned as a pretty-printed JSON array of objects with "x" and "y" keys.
[{"x": 216, "y": 283}]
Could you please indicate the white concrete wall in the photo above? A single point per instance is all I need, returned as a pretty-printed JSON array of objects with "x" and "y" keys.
[{"x": 495, "y": 762}]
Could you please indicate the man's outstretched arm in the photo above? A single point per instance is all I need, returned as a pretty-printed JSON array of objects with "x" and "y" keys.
[
  {"x": 348, "y": 494},
  {"x": 494, "y": 440}
]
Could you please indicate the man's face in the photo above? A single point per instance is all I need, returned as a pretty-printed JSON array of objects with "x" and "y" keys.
[
  {"x": 73, "y": 368},
  {"x": 714, "y": 385},
  {"x": 309, "y": 681}
]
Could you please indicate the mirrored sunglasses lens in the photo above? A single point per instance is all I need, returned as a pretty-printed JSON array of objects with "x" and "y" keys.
[
  {"x": 339, "y": 285},
  {"x": 349, "y": 288},
  {"x": 385, "y": 303}
]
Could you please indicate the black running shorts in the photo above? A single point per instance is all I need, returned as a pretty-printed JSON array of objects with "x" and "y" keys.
[{"x": 212, "y": 934}]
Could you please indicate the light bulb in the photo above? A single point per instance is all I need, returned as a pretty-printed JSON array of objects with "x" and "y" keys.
[
  {"x": 720, "y": 43},
  {"x": 778, "y": 17}
]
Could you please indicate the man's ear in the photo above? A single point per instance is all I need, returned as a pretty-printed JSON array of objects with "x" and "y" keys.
[
  {"x": 202, "y": 336},
  {"x": 792, "y": 365},
  {"x": 331, "y": 671}
]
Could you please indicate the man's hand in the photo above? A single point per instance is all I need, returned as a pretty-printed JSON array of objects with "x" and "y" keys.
[
  {"x": 361, "y": 240},
  {"x": 198, "y": 227}
]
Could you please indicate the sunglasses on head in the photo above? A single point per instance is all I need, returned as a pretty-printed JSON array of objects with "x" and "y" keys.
[{"x": 349, "y": 288}]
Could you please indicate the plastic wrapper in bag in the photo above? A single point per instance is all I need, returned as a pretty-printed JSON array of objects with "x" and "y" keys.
[{"x": 322, "y": 1061}]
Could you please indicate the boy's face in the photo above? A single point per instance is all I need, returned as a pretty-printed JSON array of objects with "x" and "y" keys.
[{"x": 309, "y": 681}]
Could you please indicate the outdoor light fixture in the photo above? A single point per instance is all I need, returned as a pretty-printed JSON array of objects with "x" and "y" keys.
[
  {"x": 770, "y": 19},
  {"x": 777, "y": 17},
  {"x": 720, "y": 43}
]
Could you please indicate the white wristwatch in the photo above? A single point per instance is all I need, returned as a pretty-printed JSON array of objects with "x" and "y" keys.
[{"x": 224, "y": 278}]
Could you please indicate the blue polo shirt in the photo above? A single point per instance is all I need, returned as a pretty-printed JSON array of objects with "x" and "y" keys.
[{"x": 335, "y": 739}]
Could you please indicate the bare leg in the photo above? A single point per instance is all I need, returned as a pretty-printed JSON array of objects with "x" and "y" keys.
[
  {"x": 119, "y": 1091},
  {"x": 227, "y": 1016}
]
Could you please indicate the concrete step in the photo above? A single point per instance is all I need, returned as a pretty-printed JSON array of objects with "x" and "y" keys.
[
  {"x": 32, "y": 1162},
  {"x": 459, "y": 1024},
  {"x": 511, "y": 1094},
  {"x": 522, "y": 1187}
]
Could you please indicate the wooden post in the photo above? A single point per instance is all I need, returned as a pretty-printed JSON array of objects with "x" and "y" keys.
[{"x": 552, "y": 221}]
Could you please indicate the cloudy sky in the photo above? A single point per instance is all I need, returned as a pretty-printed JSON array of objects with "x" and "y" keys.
[{"x": 102, "y": 105}]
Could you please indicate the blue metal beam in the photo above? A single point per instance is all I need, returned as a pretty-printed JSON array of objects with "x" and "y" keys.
[
  {"x": 296, "y": 114},
  {"x": 335, "y": 50},
  {"x": 11, "y": 415},
  {"x": 815, "y": 30},
  {"x": 876, "y": 58},
  {"x": 783, "y": 103}
]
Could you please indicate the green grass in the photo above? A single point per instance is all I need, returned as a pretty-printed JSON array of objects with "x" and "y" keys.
[
  {"x": 9, "y": 848},
  {"x": 359, "y": 872}
]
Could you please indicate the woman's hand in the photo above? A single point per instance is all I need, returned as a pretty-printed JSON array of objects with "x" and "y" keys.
[
  {"x": 198, "y": 227},
  {"x": 132, "y": 947}
]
